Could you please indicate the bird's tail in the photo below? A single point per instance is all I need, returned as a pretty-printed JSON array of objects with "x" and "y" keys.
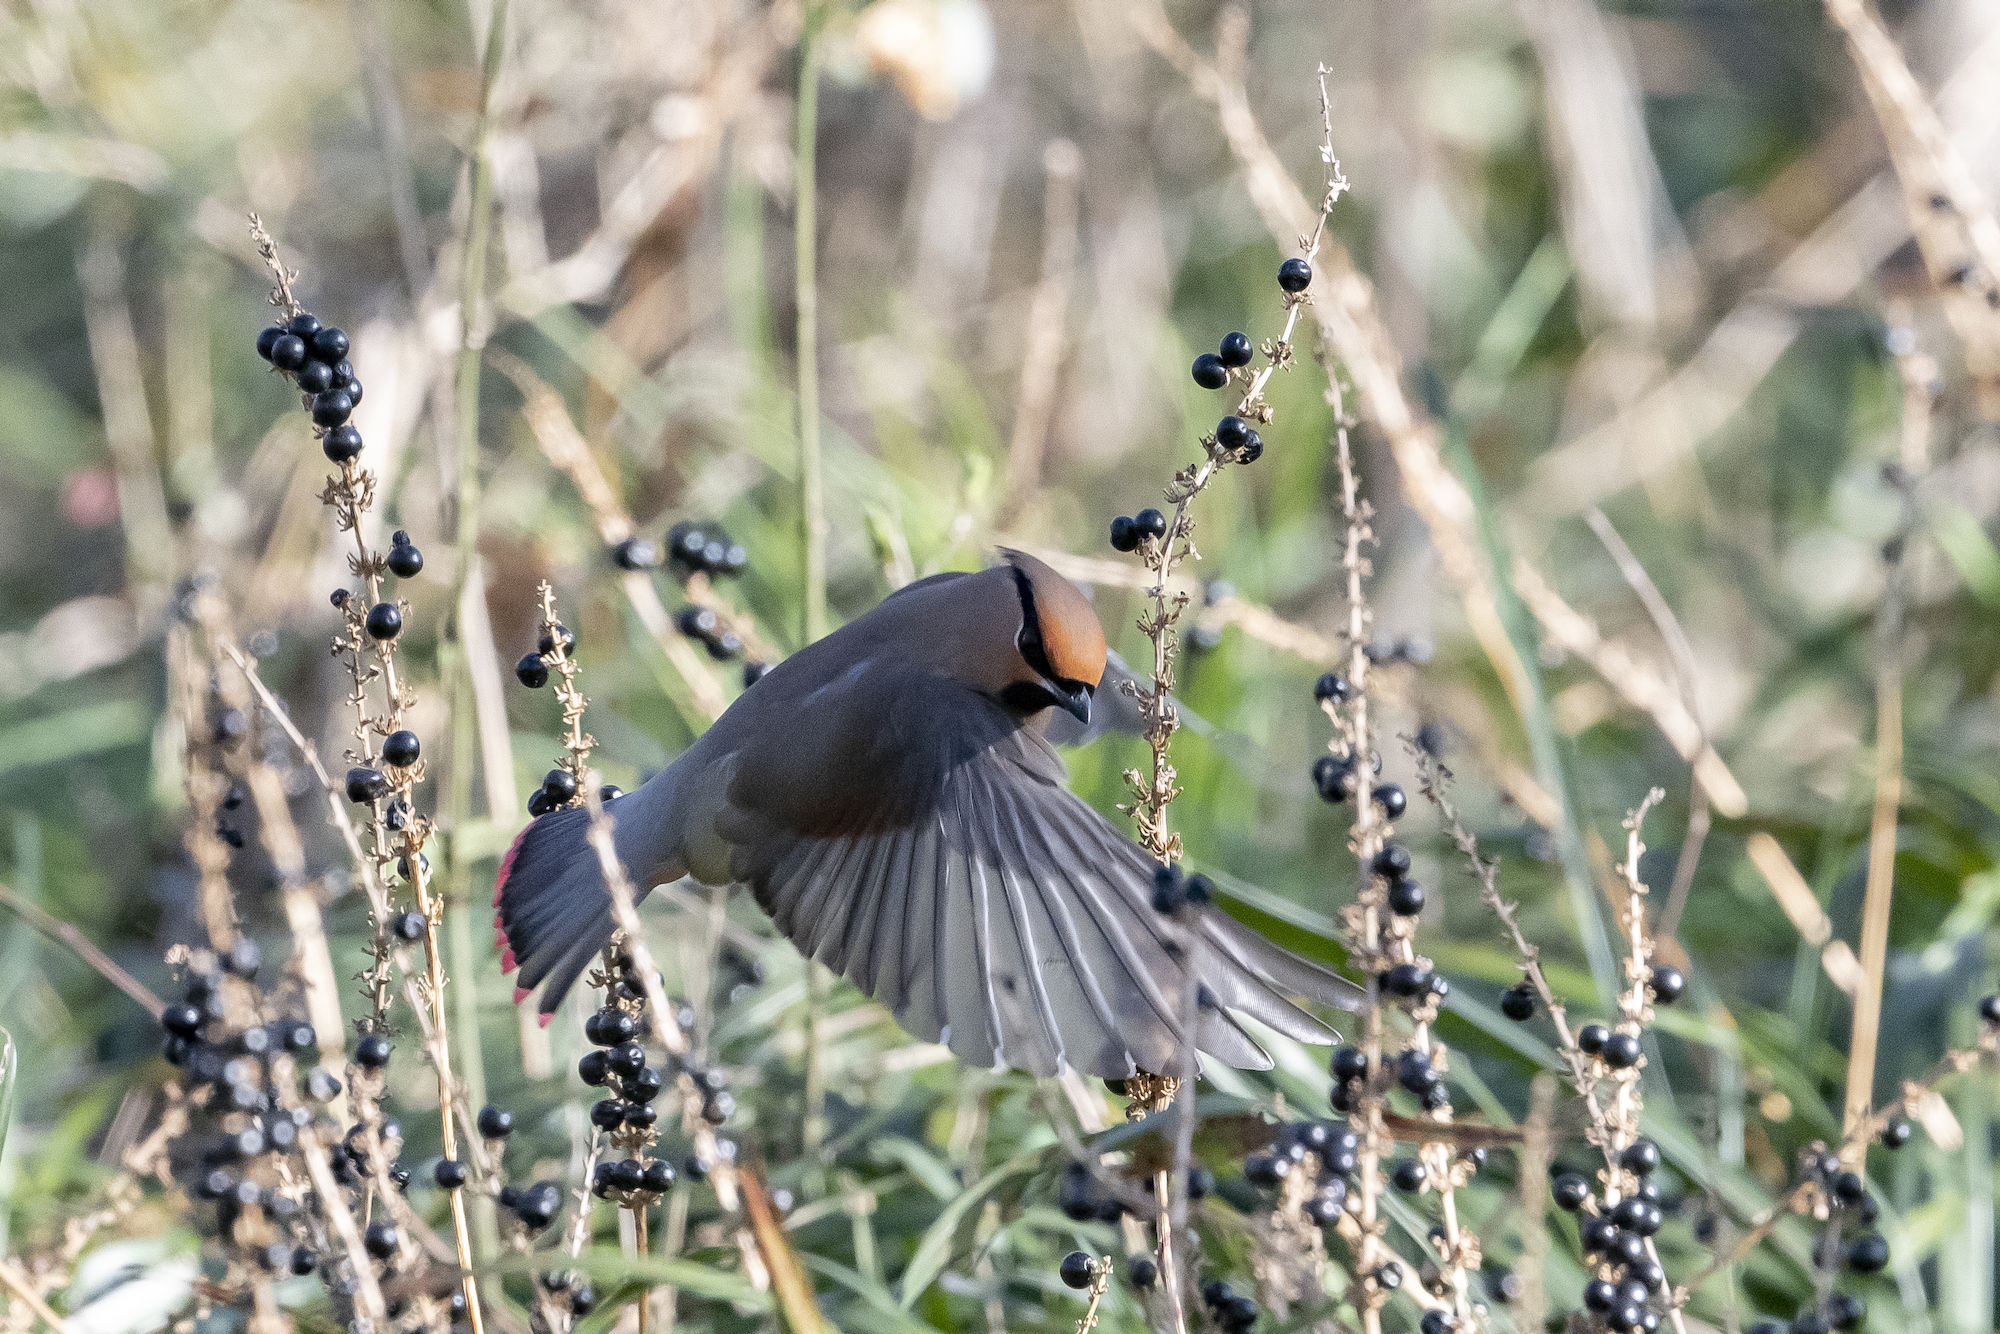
[{"x": 551, "y": 912}]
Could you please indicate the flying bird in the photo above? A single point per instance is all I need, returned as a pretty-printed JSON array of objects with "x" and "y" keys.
[{"x": 889, "y": 796}]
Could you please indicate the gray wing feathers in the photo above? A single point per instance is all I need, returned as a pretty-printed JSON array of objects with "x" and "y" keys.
[{"x": 1015, "y": 924}]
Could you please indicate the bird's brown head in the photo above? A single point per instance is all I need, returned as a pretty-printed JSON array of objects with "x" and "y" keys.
[{"x": 1060, "y": 641}]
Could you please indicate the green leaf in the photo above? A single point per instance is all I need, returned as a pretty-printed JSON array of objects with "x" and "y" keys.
[
  {"x": 1969, "y": 549},
  {"x": 935, "y": 1248},
  {"x": 74, "y": 733},
  {"x": 924, "y": 1165}
]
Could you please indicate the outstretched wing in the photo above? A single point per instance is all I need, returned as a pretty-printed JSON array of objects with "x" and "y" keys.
[{"x": 950, "y": 874}]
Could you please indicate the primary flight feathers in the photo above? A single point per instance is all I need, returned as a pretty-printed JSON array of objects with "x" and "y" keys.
[{"x": 889, "y": 797}]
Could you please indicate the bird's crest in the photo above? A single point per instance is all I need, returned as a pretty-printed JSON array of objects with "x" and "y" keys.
[{"x": 1069, "y": 631}]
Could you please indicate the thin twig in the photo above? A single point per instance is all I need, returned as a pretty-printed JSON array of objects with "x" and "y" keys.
[{"x": 57, "y": 929}]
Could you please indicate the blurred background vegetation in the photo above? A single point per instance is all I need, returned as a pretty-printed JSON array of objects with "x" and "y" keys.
[{"x": 1638, "y": 261}]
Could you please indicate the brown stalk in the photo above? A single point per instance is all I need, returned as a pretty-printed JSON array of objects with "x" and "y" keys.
[
  {"x": 1041, "y": 358},
  {"x": 1537, "y": 1150},
  {"x": 1918, "y": 372},
  {"x": 15, "y": 1282},
  {"x": 107, "y": 968},
  {"x": 1956, "y": 231}
]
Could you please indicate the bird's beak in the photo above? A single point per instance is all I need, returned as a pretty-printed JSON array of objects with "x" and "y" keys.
[{"x": 1076, "y": 702}]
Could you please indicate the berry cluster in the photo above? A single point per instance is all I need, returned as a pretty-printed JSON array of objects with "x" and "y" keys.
[
  {"x": 1127, "y": 532},
  {"x": 1212, "y": 369},
  {"x": 1328, "y": 1153},
  {"x": 701, "y": 623},
  {"x": 618, "y": 1064},
  {"x": 556, "y": 642},
  {"x": 315, "y": 357},
  {"x": 249, "y": 1115},
  {"x": 704, "y": 549},
  {"x": 1232, "y": 1311},
  {"x": 1615, "y": 1232}
]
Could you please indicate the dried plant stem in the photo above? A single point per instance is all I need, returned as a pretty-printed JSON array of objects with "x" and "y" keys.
[
  {"x": 432, "y": 907},
  {"x": 458, "y": 652},
  {"x": 17, "y": 1283},
  {"x": 1041, "y": 358},
  {"x": 812, "y": 510},
  {"x": 107, "y": 967},
  {"x": 1100, "y": 1283},
  {"x": 1537, "y": 1150},
  {"x": 805, "y": 280},
  {"x": 1917, "y": 372}
]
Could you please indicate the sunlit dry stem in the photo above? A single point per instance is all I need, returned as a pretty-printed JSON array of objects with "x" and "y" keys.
[{"x": 1154, "y": 791}]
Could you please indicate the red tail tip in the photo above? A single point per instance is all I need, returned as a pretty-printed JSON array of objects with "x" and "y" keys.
[{"x": 521, "y": 994}]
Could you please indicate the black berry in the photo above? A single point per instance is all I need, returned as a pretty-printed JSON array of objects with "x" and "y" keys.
[
  {"x": 1329, "y": 778},
  {"x": 1897, "y": 1133},
  {"x": 1150, "y": 523},
  {"x": 1668, "y": 984},
  {"x": 341, "y": 443},
  {"x": 1406, "y": 898},
  {"x": 401, "y": 748},
  {"x": 635, "y": 553},
  {"x": 329, "y": 345},
  {"x": 449, "y": 1173},
  {"x": 557, "y": 635},
  {"x": 365, "y": 784},
  {"x": 1390, "y": 798},
  {"x": 495, "y": 1123},
  {"x": 753, "y": 672},
  {"x": 1406, "y": 980},
  {"x": 1210, "y": 372},
  {"x": 1330, "y": 687},
  {"x": 1570, "y": 1191},
  {"x": 268, "y": 340},
  {"x": 1141, "y": 1272},
  {"x": 1621, "y": 1051},
  {"x": 1349, "y": 1063},
  {"x": 1393, "y": 861},
  {"x": 304, "y": 325},
  {"x": 1868, "y": 1254},
  {"x": 1251, "y": 449},
  {"x": 1236, "y": 349},
  {"x": 1075, "y": 1269},
  {"x": 372, "y": 1051},
  {"x": 659, "y": 1176},
  {"x": 412, "y": 925},
  {"x": 1409, "y": 1175},
  {"x": 314, "y": 377},
  {"x": 288, "y": 352},
  {"x": 1123, "y": 538},
  {"x": 1232, "y": 433},
  {"x": 1590, "y": 1038},
  {"x": 1295, "y": 275},
  {"x": 1989, "y": 1009},
  {"x": 1518, "y": 1003},
  {"x": 560, "y": 784},
  {"x": 385, "y": 621},
  {"x": 532, "y": 672},
  {"x": 332, "y": 408},
  {"x": 381, "y": 1240},
  {"x": 405, "y": 560}
]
